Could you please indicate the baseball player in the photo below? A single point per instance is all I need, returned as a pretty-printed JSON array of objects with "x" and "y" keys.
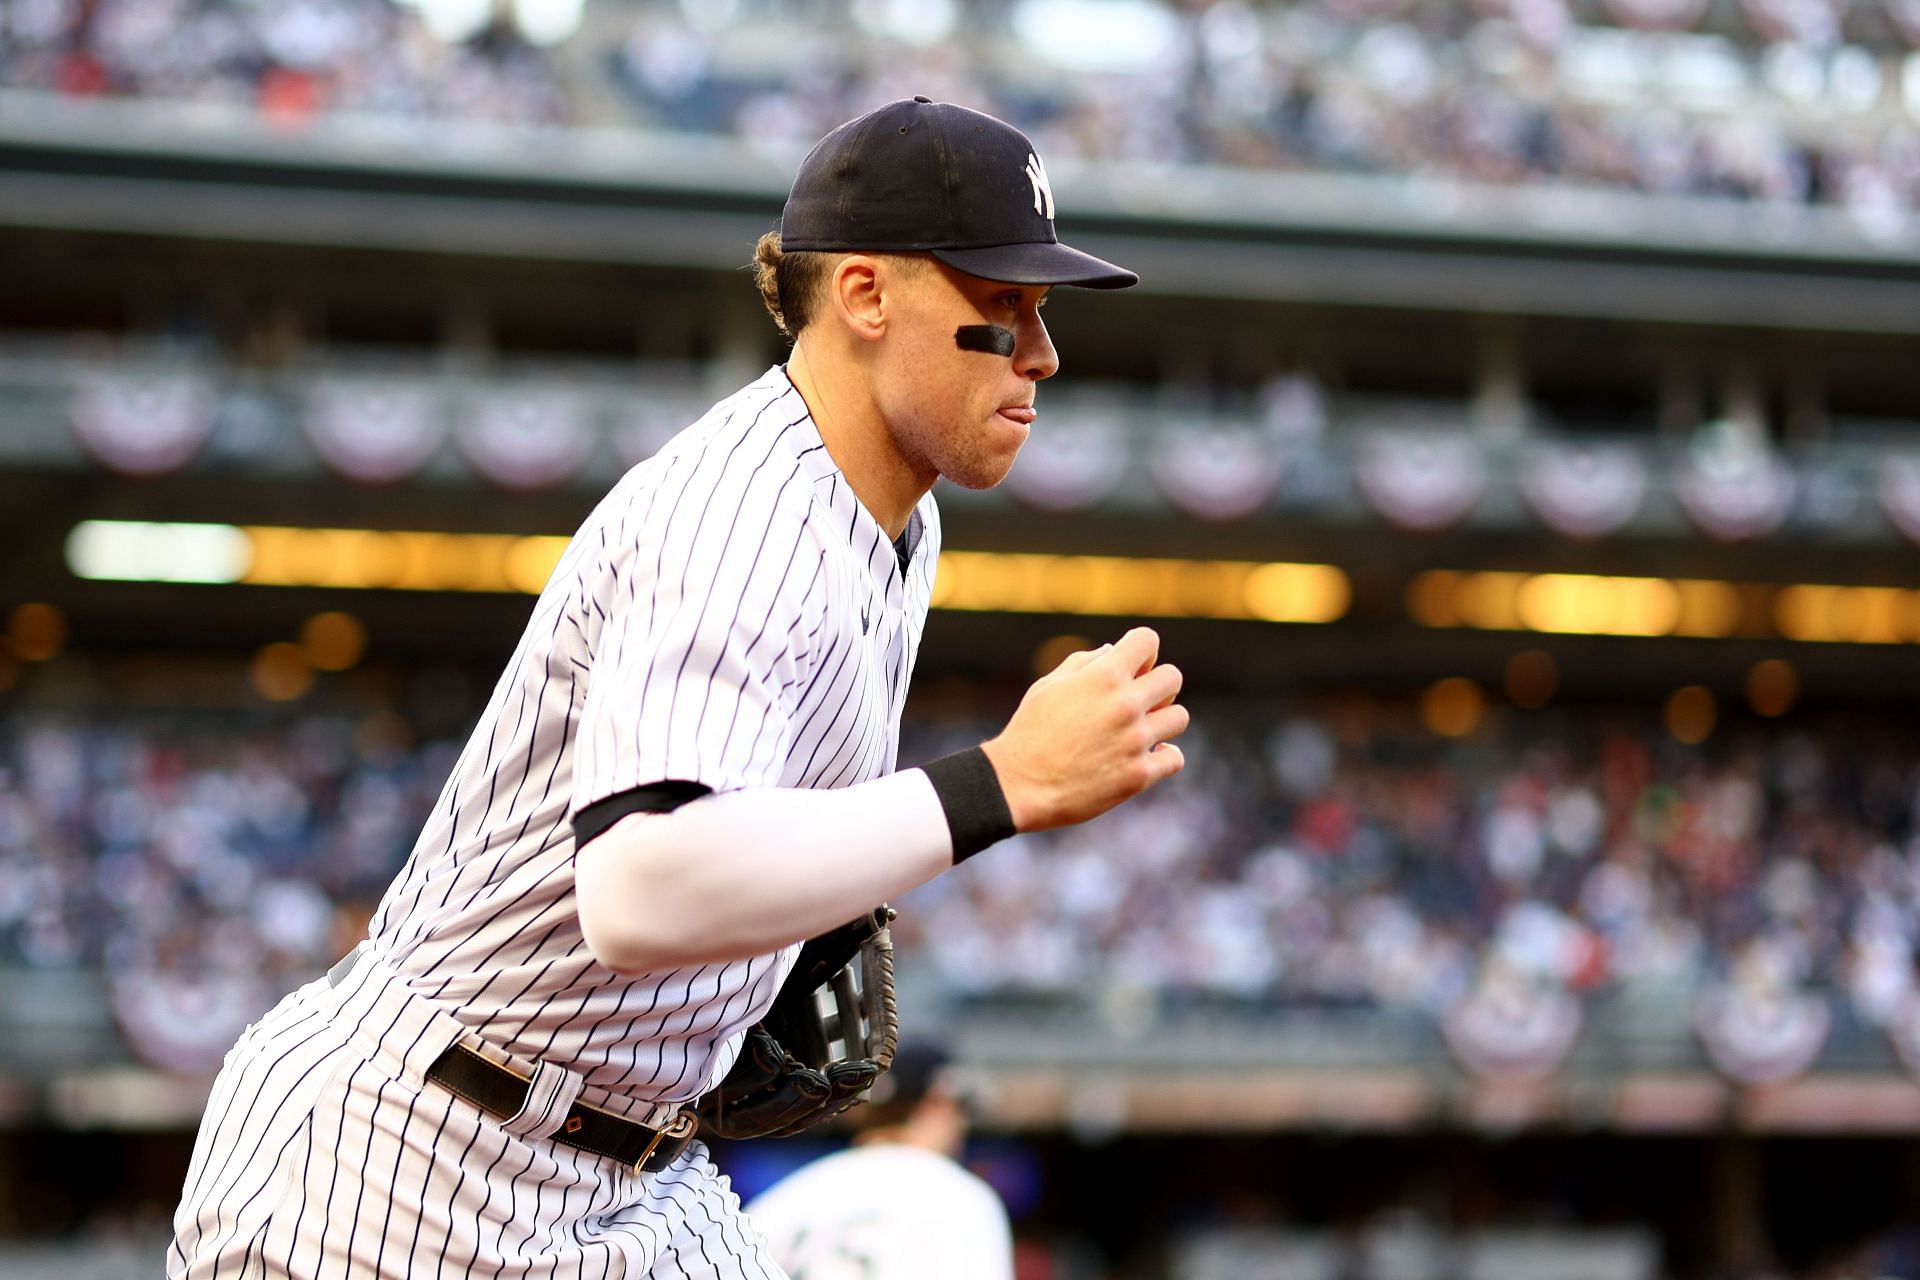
[
  {"x": 686, "y": 770},
  {"x": 897, "y": 1205}
]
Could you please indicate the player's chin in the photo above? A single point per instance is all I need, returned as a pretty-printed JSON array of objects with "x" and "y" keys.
[
  {"x": 984, "y": 469},
  {"x": 1006, "y": 436}
]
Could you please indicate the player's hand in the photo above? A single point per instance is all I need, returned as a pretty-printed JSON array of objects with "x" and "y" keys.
[{"x": 1091, "y": 733}]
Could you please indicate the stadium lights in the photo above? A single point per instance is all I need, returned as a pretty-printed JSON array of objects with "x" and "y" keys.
[
  {"x": 1013, "y": 582},
  {"x": 279, "y": 556},
  {"x": 1575, "y": 604},
  {"x": 374, "y": 559},
  {"x": 1004, "y": 582},
  {"x": 1856, "y": 615},
  {"x": 378, "y": 560},
  {"x": 1585, "y": 604},
  {"x": 138, "y": 551}
]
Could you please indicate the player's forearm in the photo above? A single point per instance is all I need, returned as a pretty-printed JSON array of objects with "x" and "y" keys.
[{"x": 748, "y": 872}]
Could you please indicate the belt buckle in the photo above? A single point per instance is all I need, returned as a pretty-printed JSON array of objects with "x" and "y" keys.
[{"x": 682, "y": 1125}]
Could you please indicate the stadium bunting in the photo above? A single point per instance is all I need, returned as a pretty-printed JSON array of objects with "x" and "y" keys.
[
  {"x": 1217, "y": 472},
  {"x": 1904, "y": 1031},
  {"x": 1072, "y": 464},
  {"x": 1900, "y": 492},
  {"x": 184, "y": 1021},
  {"x": 1511, "y": 1025},
  {"x": 1815, "y": 23},
  {"x": 143, "y": 424},
  {"x": 374, "y": 430},
  {"x": 1584, "y": 490},
  {"x": 644, "y": 424},
  {"x": 1656, "y": 15},
  {"x": 527, "y": 438},
  {"x": 1421, "y": 480},
  {"x": 1735, "y": 495},
  {"x": 1762, "y": 1034}
]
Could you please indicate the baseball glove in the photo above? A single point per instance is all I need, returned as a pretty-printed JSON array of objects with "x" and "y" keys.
[{"x": 830, "y": 1034}]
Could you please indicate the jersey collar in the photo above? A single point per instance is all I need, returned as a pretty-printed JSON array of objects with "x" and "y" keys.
[{"x": 863, "y": 532}]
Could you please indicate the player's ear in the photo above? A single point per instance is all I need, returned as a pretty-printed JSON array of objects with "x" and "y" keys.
[{"x": 858, "y": 291}]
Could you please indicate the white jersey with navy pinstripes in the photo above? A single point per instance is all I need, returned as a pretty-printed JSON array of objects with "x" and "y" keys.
[{"x": 730, "y": 615}]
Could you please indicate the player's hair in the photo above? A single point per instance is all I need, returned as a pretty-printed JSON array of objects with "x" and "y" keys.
[{"x": 790, "y": 284}]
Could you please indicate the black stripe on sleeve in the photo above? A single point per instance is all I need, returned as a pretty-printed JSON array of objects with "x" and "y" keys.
[
  {"x": 654, "y": 797},
  {"x": 976, "y": 807}
]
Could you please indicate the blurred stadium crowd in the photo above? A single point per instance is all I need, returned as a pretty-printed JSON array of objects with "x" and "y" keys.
[
  {"x": 1345, "y": 858},
  {"x": 1352, "y": 858},
  {"x": 201, "y": 846},
  {"x": 1794, "y": 101}
]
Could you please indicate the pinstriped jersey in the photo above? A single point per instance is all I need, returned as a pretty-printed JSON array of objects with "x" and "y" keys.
[{"x": 731, "y": 615}]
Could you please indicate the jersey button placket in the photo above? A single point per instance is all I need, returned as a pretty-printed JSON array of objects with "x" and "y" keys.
[{"x": 896, "y": 623}]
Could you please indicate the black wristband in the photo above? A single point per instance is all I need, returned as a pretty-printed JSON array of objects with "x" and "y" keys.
[{"x": 976, "y": 807}]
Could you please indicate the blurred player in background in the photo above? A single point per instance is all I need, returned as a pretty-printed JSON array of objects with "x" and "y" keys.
[{"x": 897, "y": 1205}]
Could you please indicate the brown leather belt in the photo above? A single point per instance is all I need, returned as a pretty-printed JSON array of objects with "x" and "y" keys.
[{"x": 502, "y": 1092}]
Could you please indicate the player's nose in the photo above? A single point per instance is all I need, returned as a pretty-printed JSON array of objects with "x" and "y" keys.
[{"x": 1035, "y": 357}]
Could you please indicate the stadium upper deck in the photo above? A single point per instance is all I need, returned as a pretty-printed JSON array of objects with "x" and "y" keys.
[{"x": 1782, "y": 102}]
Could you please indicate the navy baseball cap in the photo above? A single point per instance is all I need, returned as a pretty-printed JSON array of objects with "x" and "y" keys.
[
  {"x": 920, "y": 1068},
  {"x": 920, "y": 176}
]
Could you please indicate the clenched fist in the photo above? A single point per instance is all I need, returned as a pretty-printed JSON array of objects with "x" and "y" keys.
[{"x": 1091, "y": 733}]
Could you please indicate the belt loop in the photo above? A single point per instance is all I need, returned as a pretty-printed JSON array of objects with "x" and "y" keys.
[
  {"x": 550, "y": 1095},
  {"x": 345, "y": 965}
]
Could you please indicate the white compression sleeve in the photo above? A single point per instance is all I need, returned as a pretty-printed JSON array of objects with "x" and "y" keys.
[{"x": 744, "y": 873}]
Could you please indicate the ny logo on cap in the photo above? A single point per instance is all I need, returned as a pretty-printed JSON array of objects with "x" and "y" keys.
[{"x": 1042, "y": 189}]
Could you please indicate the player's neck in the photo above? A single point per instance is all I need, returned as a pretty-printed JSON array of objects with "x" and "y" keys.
[{"x": 857, "y": 438}]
